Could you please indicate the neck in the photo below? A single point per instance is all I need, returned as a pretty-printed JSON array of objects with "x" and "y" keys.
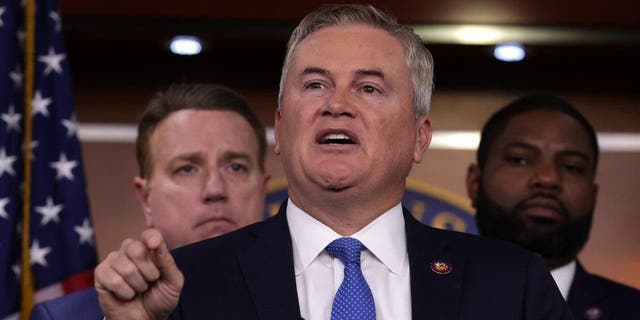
[
  {"x": 344, "y": 216},
  {"x": 557, "y": 262}
]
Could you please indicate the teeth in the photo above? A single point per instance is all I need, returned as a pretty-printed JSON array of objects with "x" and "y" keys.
[{"x": 336, "y": 136}]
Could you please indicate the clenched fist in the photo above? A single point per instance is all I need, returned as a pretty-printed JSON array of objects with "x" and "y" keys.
[{"x": 139, "y": 281}]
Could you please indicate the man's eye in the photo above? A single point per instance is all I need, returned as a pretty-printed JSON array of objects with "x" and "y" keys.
[
  {"x": 238, "y": 167},
  {"x": 314, "y": 85},
  {"x": 186, "y": 169},
  {"x": 369, "y": 89},
  {"x": 573, "y": 168},
  {"x": 519, "y": 161}
]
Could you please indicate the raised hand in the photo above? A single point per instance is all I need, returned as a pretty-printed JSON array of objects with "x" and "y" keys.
[{"x": 139, "y": 281}]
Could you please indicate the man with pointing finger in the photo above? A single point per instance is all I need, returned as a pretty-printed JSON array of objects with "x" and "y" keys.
[{"x": 352, "y": 120}]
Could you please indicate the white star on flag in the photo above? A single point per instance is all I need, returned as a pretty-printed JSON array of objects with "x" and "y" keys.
[
  {"x": 70, "y": 125},
  {"x": 56, "y": 18},
  {"x": 52, "y": 60},
  {"x": 63, "y": 167},
  {"x": 6, "y": 163},
  {"x": 40, "y": 104},
  {"x": 3, "y": 211},
  {"x": 17, "y": 76},
  {"x": 85, "y": 231},
  {"x": 12, "y": 119},
  {"x": 2, "y": 10},
  {"x": 37, "y": 254},
  {"x": 49, "y": 212}
]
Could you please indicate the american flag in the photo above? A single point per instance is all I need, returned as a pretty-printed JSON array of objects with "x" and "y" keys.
[{"x": 60, "y": 242}]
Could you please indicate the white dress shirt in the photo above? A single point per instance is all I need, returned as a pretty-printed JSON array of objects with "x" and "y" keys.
[
  {"x": 563, "y": 277},
  {"x": 385, "y": 264}
]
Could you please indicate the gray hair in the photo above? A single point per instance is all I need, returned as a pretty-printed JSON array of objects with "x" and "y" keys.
[{"x": 418, "y": 58}]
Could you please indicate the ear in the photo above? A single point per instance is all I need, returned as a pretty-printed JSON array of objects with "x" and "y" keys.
[
  {"x": 143, "y": 193},
  {"x": 596, "y": 188},
  {"x": 423, "y": 137},
  {"x": 473, "y": 182},
  {"x": 265, "y": 184},
  {"x": 276, "y": 132}
]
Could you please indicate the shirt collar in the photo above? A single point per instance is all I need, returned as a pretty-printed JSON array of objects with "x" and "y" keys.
[
  {"x": 563, "y": 276},
  {"x": 384, "y": 238}
]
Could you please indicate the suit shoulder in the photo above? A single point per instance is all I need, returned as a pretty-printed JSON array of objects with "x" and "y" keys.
[
  {"x": 216, "y": 248},
  {"x": 78, "y": 305},
  {"x": 615, "y": 289},
  {"x": 479, "y": 248}
]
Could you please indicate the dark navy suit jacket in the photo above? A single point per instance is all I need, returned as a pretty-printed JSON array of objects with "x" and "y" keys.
[
  {"x": 249, "y": 274},
  {"x": 81, "y": 305},
  {"x": 592, "y": 297}
]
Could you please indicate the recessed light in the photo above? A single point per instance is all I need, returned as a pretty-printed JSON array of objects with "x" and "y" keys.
[
  {"x": 509, "y": 52},
  {"x": 185, "y": 45}
]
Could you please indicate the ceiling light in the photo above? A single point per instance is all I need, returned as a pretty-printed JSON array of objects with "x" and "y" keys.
[
  {"x": 509, "y": 52},
  {"x": 185, "y": 45},
  {"x": 477, "y": 34}
]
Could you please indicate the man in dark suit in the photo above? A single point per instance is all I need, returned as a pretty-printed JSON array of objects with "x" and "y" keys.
[
  {"x": 352, "y": 119},
  {"x": 201, "y": 153},
  {"x": 534, "y": 185}
]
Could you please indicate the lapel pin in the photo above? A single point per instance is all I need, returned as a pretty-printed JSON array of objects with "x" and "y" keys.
[
  {"x": 441, "y": 267},
  {"x": 593, "y": 313}
]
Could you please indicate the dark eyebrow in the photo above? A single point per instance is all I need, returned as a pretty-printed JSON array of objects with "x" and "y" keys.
[{"x": 563, "y": 153}]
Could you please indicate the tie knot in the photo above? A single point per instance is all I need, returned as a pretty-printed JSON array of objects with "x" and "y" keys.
[{"x": 346, "y": 249}]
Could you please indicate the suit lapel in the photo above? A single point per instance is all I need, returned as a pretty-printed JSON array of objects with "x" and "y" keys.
[
  {"x": 585, "y": 295},
  {"x": 436, "y": 277},
  {"x": 267, "y": 266}
]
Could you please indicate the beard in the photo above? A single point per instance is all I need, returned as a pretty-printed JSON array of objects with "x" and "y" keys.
[{"x": 557, "y": 243}]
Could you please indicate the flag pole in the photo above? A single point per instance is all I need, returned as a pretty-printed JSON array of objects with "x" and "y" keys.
[{"x": 29, "y": 74}]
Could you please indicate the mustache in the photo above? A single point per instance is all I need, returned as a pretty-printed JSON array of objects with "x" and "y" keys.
[{"x": 541, "y": 199}]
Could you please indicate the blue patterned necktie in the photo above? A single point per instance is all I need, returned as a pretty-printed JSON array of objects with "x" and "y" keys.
[{"x": 354, "y": 300}]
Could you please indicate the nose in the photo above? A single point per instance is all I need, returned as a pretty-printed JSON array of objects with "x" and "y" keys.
[
  {"x": 339, "y": 104},
  {"x": 214, "y": 187},
  {"x": 547, "y": 177}
]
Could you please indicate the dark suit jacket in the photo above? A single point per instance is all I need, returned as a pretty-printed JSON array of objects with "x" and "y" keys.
[
  {"x": 249, "y": 274},
  {"x": 81, "y": 305},
  {"x": 592, "y": 297}
]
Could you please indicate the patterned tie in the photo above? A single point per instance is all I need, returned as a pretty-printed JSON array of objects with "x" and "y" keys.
[{"x": 354, "y": 300}]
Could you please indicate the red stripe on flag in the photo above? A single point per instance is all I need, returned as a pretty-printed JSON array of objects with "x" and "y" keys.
[{"x": 78, "y": 281}]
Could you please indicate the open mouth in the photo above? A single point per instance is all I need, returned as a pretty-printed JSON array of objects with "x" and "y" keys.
[
  {"x": 336, "y": 138},
  {"x": 340, "y": 137}
]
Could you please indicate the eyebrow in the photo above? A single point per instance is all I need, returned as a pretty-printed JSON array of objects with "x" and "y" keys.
[
  {"x": 191, "y": 157},
  {"x": 360, "y": 72},
  {"x": 315, "y": 70},
  {"x": 519, "y": 144},
  {"x": 370, "y": 72},
  {"x": 569, "y": 152},
  {"x": 229, "y": 155}
]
